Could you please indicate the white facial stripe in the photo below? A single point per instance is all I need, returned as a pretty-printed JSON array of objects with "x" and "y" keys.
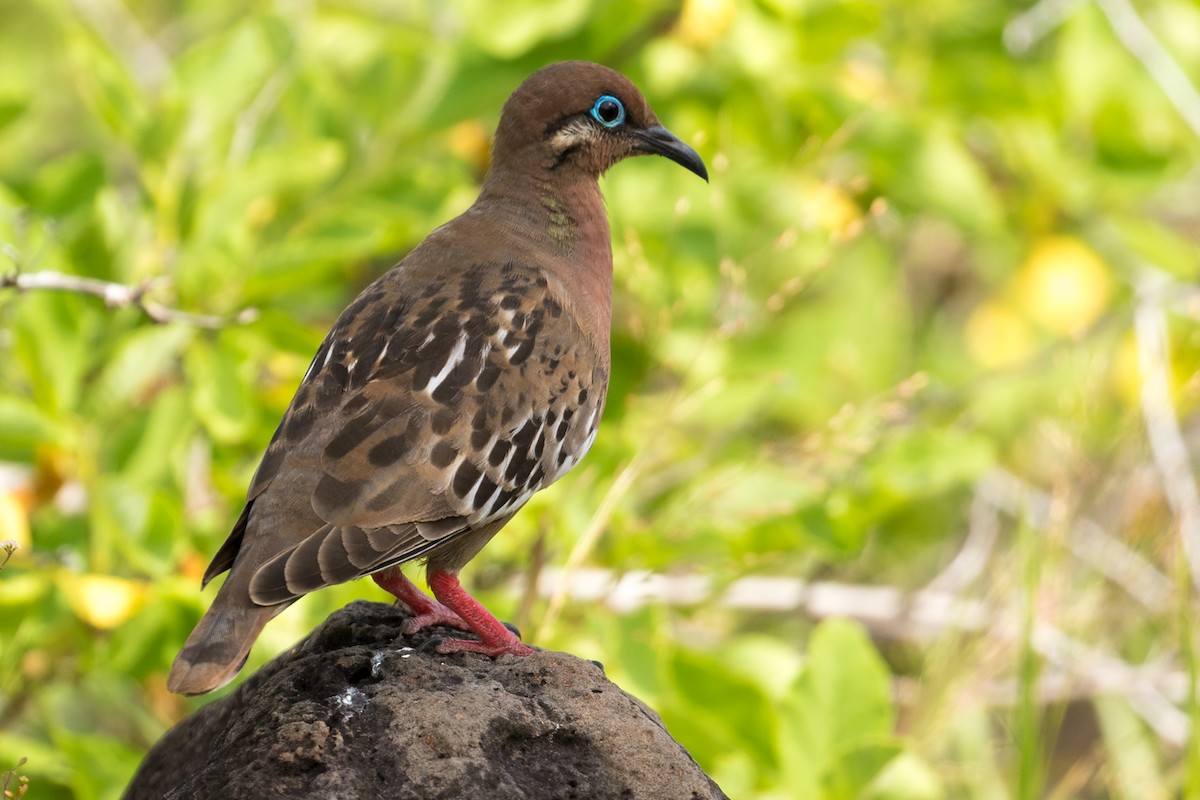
[{"x": 572, "y": 134}]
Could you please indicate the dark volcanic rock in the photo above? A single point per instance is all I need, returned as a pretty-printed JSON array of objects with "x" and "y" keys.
[{"x": 352, "y": 712}]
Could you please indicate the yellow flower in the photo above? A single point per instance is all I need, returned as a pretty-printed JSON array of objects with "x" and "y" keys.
[
  {"x": 102, "y": 601},
  {"x": 1063, "y": 285}
]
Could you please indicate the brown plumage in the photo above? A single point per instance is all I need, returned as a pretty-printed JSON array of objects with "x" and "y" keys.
[{"x": 465, "y": 379}]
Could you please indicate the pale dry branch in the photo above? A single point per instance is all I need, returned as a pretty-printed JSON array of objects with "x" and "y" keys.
[
  {"x": 1087, "y": 540},
  {"x": 908, "y": 615},
  {"x": 119, "y": 295},
  {"x": 1074, "y": 669},
  {"x": 624, "y": 482},
  {"x": 983, "y": 530},
  {"x": 1001, "y": 491},
  {"x": 1032, "y": 25},
  {"x": 1141, "y": 42},
  {"x": 148, "y": 64},
  {"x": 1162, "y": 426},
  {"x": 250, "y": 121},
  {"x": 1148, "y": 689}
]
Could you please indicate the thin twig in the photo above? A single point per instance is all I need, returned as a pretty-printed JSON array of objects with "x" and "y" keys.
[
  {"x": 982, "y": 532},
  {"x": 596, "y": 526},
  {"x": 1028, "y": 28},
  {"x": 890, "y": 612},
  {"x": 1000, "y": 490},
  {"x": 9, "y": 546},
  {"x": 616, "y": 493},
  {"x": 250, "y": 120},
  {"x": 22, "y": 783},
  {"x": 1141, "y": 42},
  {"x": 119, "y": 295},
  {"x": 1162, "y": 426},
  {"x": 146, "y": 61},
  {"x": 1090, "y": 542},
  {"x": 1148, "y": 690},
  {"x": 1031, "y": 26}
]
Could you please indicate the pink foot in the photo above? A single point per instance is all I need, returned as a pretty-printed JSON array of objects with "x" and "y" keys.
[
  {"x": 494, "y": 638},
  {"x": 426, "y": 611}
]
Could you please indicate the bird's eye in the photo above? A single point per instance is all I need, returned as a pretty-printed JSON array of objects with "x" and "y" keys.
[{"x": 608, "y": 111}]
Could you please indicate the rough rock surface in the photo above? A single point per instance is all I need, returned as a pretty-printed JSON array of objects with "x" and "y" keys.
[{"x": 354, "y": 712}]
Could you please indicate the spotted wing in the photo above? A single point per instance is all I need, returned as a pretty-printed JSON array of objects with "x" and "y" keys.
[{"x": 434, "y": 415}]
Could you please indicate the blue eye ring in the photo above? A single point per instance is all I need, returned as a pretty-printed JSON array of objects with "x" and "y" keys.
[{"x": 608, "y": 111}]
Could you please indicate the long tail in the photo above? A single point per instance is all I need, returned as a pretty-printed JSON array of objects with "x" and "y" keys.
[{"x": 219, "y": 645}]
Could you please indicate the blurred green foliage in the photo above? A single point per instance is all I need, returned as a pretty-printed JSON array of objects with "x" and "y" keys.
[{"x": 917, "y": 265}]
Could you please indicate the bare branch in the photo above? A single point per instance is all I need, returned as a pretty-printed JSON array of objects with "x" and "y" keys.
[
  {"x": 250, "y": 120},
  {"x": 9, "y": 546},
  {"x": 1147, "y": 689},
  {"x": 982, "y": 533},
  {"x": 146, "y": 61},
  {"x": 1114, "y": 559},
  {"x": 1031, "y": 26},
  {"x": 1141, "y": 42},
  {"x": 1028, "y": 28},
  {"x": 624, "y": 482},
  {"x": 1001, "y": 491},
  {"x": 1162, "y": 426},
  {"x": 591, "y": 535},
  {"x": 1077, "y": 670},
  {"x": 119, "y": 295}
]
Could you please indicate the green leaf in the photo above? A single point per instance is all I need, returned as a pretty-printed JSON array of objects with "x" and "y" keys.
[
  {"x": 856, "y": 769},
  {"x": 745, "y": 494},
  {"x": 117, "y": 514},
  {"x": 24, "y": 427},
  {"x": 513, "y": 28},
  {"x": 220, "y": 398},
  {"x": 723, "y": 708},
  {"x": 68, "y": 183},
  {"x": 221, "y": 75},
  {"x": 837, "y": 723},
  {"x": 907, "y": 777},
  {"x": 11, "y": 110},
  {"x": 158, "y": 437},
  {"x": 50, "y": 338},
  {"x": 1133, "y": 751},
  {"x": 43, "y": 761},
  {"x": 103, "y": 765},
  {"x": 930, "y": 461},
  {"x": 142, "y": 360},
  {"x": 948, "y": 178},
  {"x": 104, "y": 82},
  {"x": 1159, "y": 246}
]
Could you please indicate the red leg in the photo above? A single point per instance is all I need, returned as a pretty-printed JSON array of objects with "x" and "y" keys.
[
  {"x": 426, "y": 611},
  {"x": 494, "y": 639}
]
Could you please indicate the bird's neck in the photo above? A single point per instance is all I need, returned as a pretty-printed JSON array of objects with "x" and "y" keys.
[
  {"x": 562, "y": 210},
  {"x": 562, "y": 215}
]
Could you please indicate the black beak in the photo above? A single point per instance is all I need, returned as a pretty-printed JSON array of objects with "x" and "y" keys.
[{"x": 662, "y": 142}]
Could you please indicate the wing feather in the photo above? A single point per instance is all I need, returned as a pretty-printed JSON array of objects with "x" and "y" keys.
[{"x": 434, "y": 407}]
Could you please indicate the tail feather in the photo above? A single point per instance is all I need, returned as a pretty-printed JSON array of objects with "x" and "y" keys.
[{"x": 218, "y": 647}]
